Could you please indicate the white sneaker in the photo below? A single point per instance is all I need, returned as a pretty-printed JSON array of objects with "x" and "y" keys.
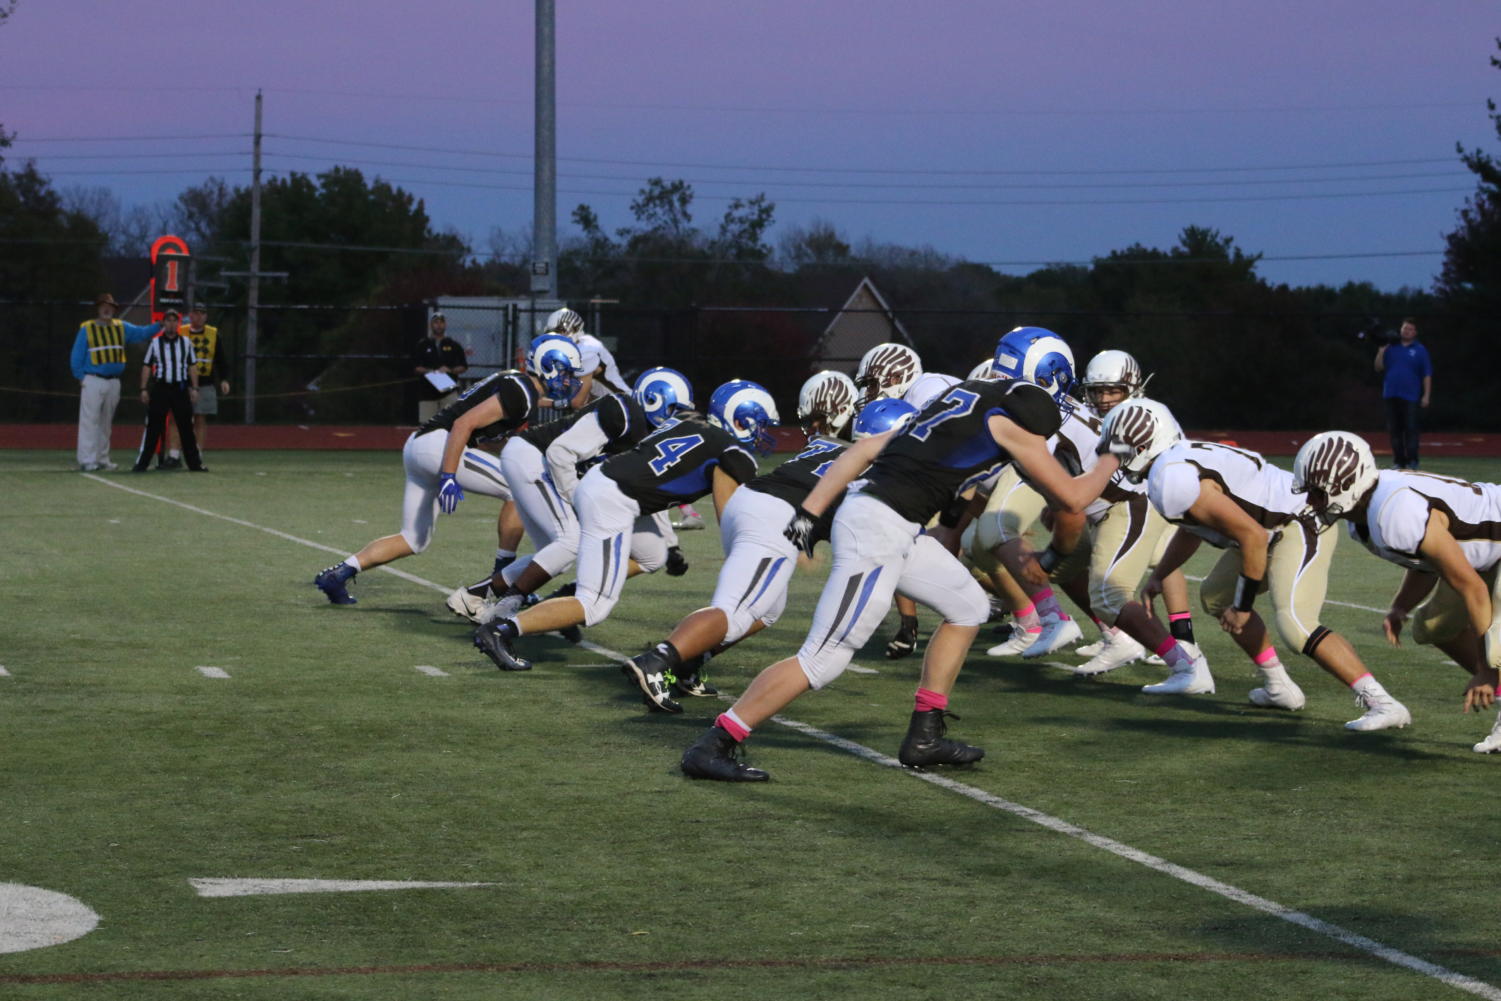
[
  {"x": 1191, "y": 679},
  {"x": 1381, "y": 713},
  {"x": 1120, "y": 651},
  {"x": 1493, "y": 742},
  {"x": 1018, "y": 642},
  {"x": 691, "y": 521},
  {"x": 108, "y": 466},
  {"x": 1093, "y": 649},
  {"x": 1279, "y": 692},
  {"x": 503, "y": 608},
  {"x": 1058, "y": 631},
  {"x": 465, "y": 605}
]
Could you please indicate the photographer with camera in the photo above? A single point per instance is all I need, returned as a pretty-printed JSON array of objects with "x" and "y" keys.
[{"x": 1407, "y": 387}]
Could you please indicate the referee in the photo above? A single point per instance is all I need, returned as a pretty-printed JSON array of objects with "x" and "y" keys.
[{"x": 172, "y": 389}]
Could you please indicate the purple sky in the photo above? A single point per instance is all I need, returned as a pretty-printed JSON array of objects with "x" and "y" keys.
[{"x": 1012, "y": 134}]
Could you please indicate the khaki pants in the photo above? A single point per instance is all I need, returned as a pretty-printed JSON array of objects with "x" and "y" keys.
[
  {"x": 1297, "y": 576},
  {"x": 1124, "y": 545},
  {"x": 1443, "y": 616},
  {"x": 96, "y": 418},
  {"x": 428, "y": 409}
]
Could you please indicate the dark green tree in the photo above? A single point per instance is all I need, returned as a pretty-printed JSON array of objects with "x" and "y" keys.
[{"x": 1471, "y": 275}]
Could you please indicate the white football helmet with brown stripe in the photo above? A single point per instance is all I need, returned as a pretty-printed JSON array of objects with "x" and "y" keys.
[
  {"x": 1137, "y": 432},
  {"x": 826, "y": 402},
  {"x": 887, "y": 370},
  {"x": 1112, "y": 369},
  {"x": 1336, "y": 469}
]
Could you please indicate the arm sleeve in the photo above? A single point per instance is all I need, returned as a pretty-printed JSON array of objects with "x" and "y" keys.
[
  {"x": 135, "y": 334},
  {"x": 80, "y": 356},
  {"x": 738, "y": 464},
  {"x": 581, "y": 442}
]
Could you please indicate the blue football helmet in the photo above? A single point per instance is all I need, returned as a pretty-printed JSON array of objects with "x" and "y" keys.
[
  {"x": 746, "y": 410},
  {"x": 555, "y": 360},
  {"x": 662, "y": 391},
  {"x": 880, "y": 416},
  {"x": 1039, "y": 356}
]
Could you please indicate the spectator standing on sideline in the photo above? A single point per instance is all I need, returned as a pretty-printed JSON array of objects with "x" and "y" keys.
[
  {"x": 437, "y": 353},
  {"x": 169, "y": 384},
  {"x": 1406, "y": 389},
  {"x": 213, "y": 379},
  {"x": 98, "y": 359}
]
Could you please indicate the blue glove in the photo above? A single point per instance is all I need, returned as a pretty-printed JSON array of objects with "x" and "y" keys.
[{"x": 449, "y": 493}]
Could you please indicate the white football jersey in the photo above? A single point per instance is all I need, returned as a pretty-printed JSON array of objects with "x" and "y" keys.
[
  {"x": 1259, "y": 488},
  {"x": 1397, "y": 518},
  {"x": 927, "y": 388},
  {"x": 596, "y": 354}
]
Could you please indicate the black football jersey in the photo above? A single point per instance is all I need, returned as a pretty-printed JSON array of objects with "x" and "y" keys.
[
  {"x": 794, "y": 479},
  {"x": 675, "y": 464},
  {"x": 518, "y": 399},
  {"x": 949, "y": 444},
  {"x": 620, "y": 418}
]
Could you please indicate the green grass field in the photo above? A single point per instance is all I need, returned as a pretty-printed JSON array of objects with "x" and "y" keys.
[{"x": 326, "y": 754}]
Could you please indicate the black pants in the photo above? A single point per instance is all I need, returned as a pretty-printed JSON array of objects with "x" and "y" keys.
[
  {"x": 169, "y": 398},
  {"x": 1402, "y": 425}
]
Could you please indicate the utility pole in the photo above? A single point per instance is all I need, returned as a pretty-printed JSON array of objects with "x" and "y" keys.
[
  {"x": 545, "y": 167},
  {"x": 254, "y": 299}
]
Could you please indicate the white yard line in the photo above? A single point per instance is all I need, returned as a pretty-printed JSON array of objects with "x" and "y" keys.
[
  {"x": 3, "y": 672},
  {"x": 211, "y": 887},
  {"x": 432, "y": 672},
  {"x": 1055, "y": 824},
  {"x": 212, "y": 672}
]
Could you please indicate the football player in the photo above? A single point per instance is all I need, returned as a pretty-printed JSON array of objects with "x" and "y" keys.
[
  {"x": 1442, "y": 531},
  {"x": 826, "y": 405},
  {"x": 880, "y": 547},
  {"x": 442, "y": 461},
  {"x": 1237, "y": 501},
  {"x": 887, "y": 370},
  {"x": 685, "y": 458}
]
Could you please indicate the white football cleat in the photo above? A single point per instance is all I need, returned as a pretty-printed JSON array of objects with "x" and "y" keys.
[
  {"x": 1493, "y": 742},
  {"x": 465, "y": 605},
  {"x": 1018, "y": 642},
  {"x": 1058, "y": 631},
  {"x": 691, "y": 521},
  {"x": 1154, "y": 660},
  {"x": 1093, "y": 649},
  {"x": 503, "y": 608},
  {"x": 1120, "y": 651},
  {"x": 1279, "y": 692},
  {"x": 1382, "y": 712},
  {"x": 1190, "y": 679}
]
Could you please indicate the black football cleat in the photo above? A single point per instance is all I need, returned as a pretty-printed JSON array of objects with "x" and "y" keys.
[
  {"x": 649, "y": 672},
  {"x": 331, "y": 583},
  {"x": 689, "y": 679},
  {"x": 926, "y": 745},
  {"x": 573, "y": 634},
  {"x": 496, "y": 645},
  {"x": 713, "y": 756}
]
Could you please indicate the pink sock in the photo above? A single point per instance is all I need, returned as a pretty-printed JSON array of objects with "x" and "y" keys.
[
  {"x": 1027, "y": 619},
  {"x": 1175, "y": 616},
  {"x": 1267, "y": 658},
  {"x": 731, "y": 724},
  {"x": 929, "y": 700},
  {"x": 1047, "y": 604}
]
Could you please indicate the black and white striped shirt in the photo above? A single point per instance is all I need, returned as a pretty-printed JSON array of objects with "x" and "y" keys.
[{"x": 172, "y": 358}]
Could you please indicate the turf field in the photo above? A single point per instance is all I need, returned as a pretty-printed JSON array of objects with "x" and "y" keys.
[{"x": 1111, "y": 845}]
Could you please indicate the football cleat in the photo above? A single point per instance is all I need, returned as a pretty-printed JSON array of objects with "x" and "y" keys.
[
  {"x": 1058, "y": 631},
  {"x": 496, "y": 645},
  {"x": 1382, "y": 712},
  {"x": 903, "y": 643},
  {"x": 925, "y": 743},
  {"x": 689, "y": 678},
  {"x": 1279, "y": 692},
  {"x": 691, "y": 521},
  {"x": 1015, "y": 644},
  {"x": 1493, "y": 742},
  {"x": 1192, "y": 678},
  {"x": 331, "y": 583},
  {"x": 1093, "y": 649},
  {"x": 1118, "y": 651},
  {"x": 713, "y": 756},
  {"x": 463, "y": 603},
  {"x": 573, "y": 634},
  {"x": 649, "y": 672},
  {"x": 502, "y": 608}
]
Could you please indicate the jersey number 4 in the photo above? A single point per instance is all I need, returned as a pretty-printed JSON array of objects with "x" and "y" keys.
[{"x": 671, "y": 451}]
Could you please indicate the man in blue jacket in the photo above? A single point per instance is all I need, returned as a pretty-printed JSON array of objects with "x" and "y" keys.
[
  {"x": 1406, "y": 389},
  {"x": 98, "y": 359}
]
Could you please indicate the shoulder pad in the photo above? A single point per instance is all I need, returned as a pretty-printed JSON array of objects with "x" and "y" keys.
[{"x": 1032, "y": 408}]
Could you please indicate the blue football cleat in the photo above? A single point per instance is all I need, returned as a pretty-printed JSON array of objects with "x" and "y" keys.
[{"x": 331, "y": 583}]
